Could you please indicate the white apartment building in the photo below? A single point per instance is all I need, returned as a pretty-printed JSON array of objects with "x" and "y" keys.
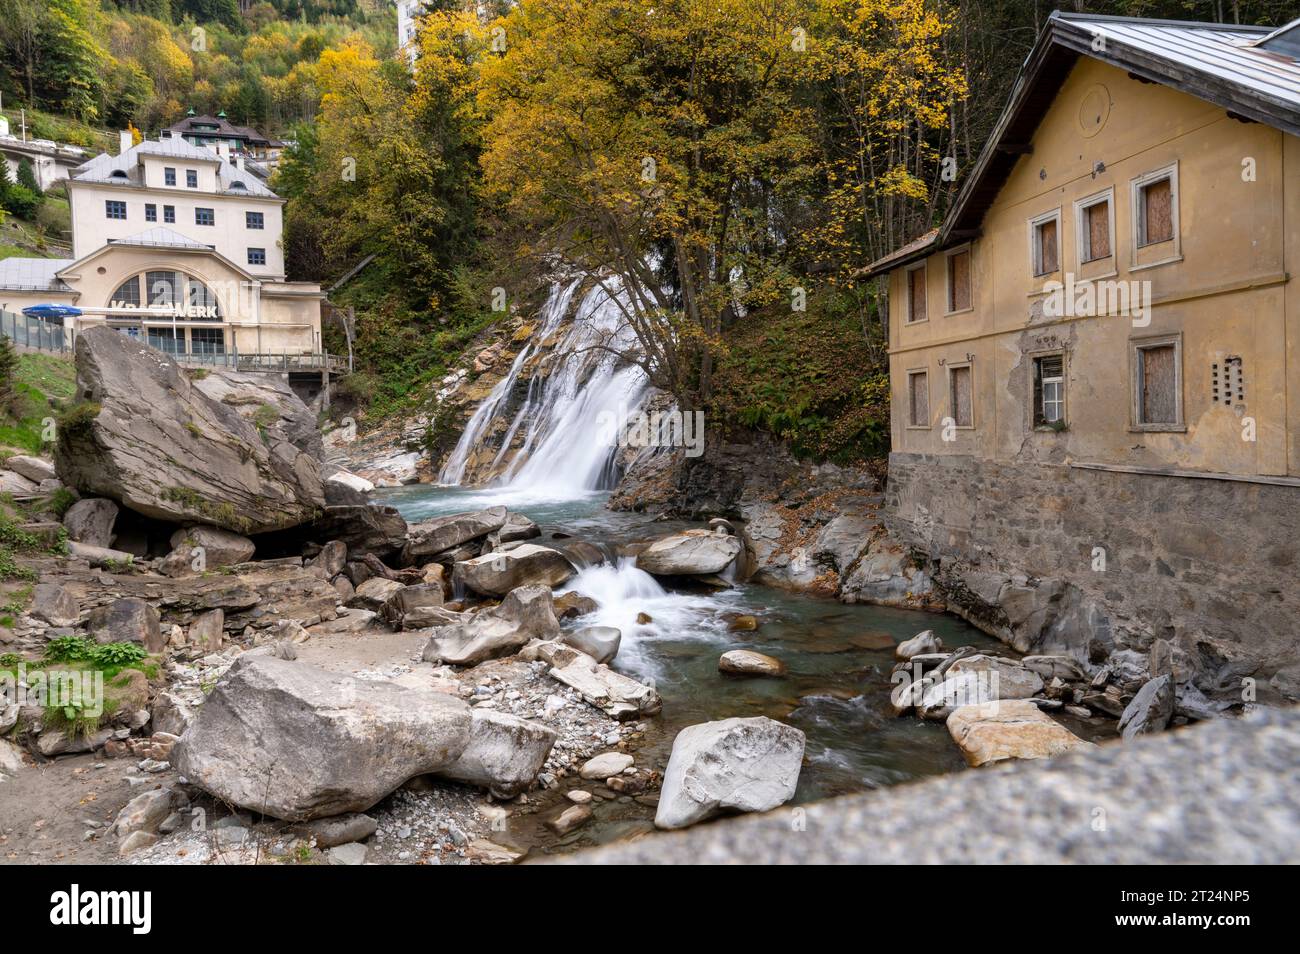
[{"x": 180, "y": 246}]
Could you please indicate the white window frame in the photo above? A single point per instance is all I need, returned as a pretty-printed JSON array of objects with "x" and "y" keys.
[
  {"x": 1064, "y": 419},
  {"x": 1082, "y": 236},
  {"x": 1035, "y": 255},
  {"x": 952, "y": 404},
  {"x": 1136, "y": 185},
  {"x": 907, "y": 294},
  {"x": 947, "y": 280},
  {"x": 1135, "y": 347},
  {"x": 929, "y": 414}
]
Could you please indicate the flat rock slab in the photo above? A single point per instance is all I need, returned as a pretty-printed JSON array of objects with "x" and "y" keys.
[{"x": 1008, "y": 729}]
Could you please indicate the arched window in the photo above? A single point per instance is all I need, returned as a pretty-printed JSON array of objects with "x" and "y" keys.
[{"x": 166, "y": 288}]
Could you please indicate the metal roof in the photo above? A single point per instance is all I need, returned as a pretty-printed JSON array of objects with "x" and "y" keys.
[
  {"x": 161, "y": 238},
  {"x": 33, "y": 274},
  {"x": 124, "y": 169},
  {"x": 1225, "y": 64}
]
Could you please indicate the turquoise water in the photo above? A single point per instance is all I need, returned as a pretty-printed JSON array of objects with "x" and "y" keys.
[{"x": 837, "y": 686}]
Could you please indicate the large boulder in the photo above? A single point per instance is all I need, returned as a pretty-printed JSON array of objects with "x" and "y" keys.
[
  {"x": 1008, "y": 729},
  {"x": 496, "y": 574},
  {"x": 296, "y": 742},
  {"x": 90, "y": 521},
  {"x": 599, "y": 642},
  {"x": 504, "y": 753},
  {"x": 430, "y": 537},
  {"x": 689, "y": 553},
  {"x": 524, "y": 615},
  {"x": 147, "y": 437},
  {"x": 128, "y": 620},
  {"x": 362, "y": 528},
  {"x": 268, "y": 403},
  {"x": 220, "y": 547},
  {"x": 747, "y": 765},
  {"x": 54, "y": 604},
  {"x": 615, "y": 694}
]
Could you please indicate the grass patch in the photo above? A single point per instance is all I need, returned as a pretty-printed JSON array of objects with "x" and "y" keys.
[{"x": 42, "y": 384}]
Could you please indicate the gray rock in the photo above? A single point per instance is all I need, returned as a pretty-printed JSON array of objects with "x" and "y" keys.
[
  {"x": 149, "y": 439},
  {"x": 598, "y": 642},
  {"x": 504, "y": 753},
  {"x": 135, "y": 842},
  {"x": 15, "y": 483},
  {"x": 91, "y": 520},
  {"x": 255, "y": 395},
  {"x": 516, "y": 527},
  {"x": 145, "y": 812},
  {"x": 523, "y": 615},
  {"x": 128, "y": 620},
  {"x": 54, "y": 604},
  {"x": 745, "y": 662},
  {"x": 748, "y": 765},
  {"x": 207, "y": 631},
  {"x": 922, "y": 643},
  {"x": 362, "y": 528},
  {"x": 171, "y": 713},
  {"x": 33, "y": 468},
  {"x": 616, "y": 695},
  {"x": 339, "y": 829},
  {"x": 98, "y": 556},
  {"x": 690, "y": 552},
  {"x": 430, "y": 537},
  {"x": 408, "y": 600},
  {"x": 496, "y": 574},
  {"x": 57, "y": 741},
  {"x": 1055, "y": 667},
  {"x": 331, "y": 560},
  {"x": 1150, "y": 710},
  {"x": 220, "y": 547},
  {"x": 604, "y": 765},
  {"x": 296, "y": 742},
  {"x": 573, "y": 817},
  {"x": 373, "y": 593},
  {"x": 353, "y": 853}
]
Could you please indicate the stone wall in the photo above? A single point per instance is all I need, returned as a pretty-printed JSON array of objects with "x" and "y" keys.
[{"x": 1145, "y": 573}]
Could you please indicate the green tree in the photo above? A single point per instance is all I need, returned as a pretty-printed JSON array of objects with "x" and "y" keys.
[{"x": 27, "y": 176}]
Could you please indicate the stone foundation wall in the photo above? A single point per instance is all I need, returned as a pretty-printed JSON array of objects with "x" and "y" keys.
[{"x": 1145, "y": 573}]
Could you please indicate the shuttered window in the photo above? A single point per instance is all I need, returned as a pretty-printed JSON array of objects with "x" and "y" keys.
[
  {"x": 959, "y": 281},
  {"x": 959, "y": 381},
  {"x": 1157, "y": 384},
  {"x": 1155, "y": 213},
  {"x": 916, "y": 294},
  {"x": 1096, "y": 231},
  {"x": 918, "y": 400},
  {"x": 1046, "y": 257}
]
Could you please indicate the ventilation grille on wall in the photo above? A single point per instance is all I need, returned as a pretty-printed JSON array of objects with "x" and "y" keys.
[{"x": 1227, "y": 381}]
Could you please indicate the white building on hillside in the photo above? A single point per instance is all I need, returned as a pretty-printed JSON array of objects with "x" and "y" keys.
[{"x": 178, "y": 245}]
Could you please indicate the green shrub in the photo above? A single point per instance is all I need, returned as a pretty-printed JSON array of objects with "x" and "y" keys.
[
  {"x": 117, "y": 655},
  {"x": 70, "y": 649}
]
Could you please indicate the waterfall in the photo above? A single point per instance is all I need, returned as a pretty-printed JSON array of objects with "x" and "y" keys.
[{"x": 579, "y": 396}]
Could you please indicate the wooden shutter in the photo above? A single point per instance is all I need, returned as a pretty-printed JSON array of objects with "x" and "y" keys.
[
  {"x": 1098, "y": 231},
  {"x": 961, "y": 396},
  {"x": 920, "y": 399},
  {"x": 1047, "y": 256},
  {"x": 1159, "y": 397},
  {"x": 916, "y": 294},
  {"x": 1157, "y": 211},
  {"x": 959, "y": 281}
]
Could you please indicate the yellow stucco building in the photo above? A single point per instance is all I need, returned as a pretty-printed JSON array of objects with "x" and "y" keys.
[{"x": 1095, "y": 359}]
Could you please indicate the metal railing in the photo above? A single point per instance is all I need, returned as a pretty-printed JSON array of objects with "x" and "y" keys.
[
  {"x": 34, "y": 332},
  {"x": 48, "y": 336}
]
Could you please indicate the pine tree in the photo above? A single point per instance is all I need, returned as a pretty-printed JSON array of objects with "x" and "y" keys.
[
  {"x": 8, "y": 372},
  {"x": 27, "y": 176}
]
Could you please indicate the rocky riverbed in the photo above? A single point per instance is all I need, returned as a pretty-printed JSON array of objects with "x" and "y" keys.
[{"x": 282, "y": 665}]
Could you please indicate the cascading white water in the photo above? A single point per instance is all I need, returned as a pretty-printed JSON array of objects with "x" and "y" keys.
[{"x": 572, "y": 413}]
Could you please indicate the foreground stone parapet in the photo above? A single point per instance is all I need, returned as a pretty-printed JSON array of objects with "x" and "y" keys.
[
  {"x": 296, "y": 742},
  {"x": 1008, "y": 729},
  {"x": 747, "y": 765},
  {"x": 1139, "y": 789}
]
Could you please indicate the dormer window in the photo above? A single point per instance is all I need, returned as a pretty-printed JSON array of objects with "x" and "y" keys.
[{"x": 118, "y": 174}]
